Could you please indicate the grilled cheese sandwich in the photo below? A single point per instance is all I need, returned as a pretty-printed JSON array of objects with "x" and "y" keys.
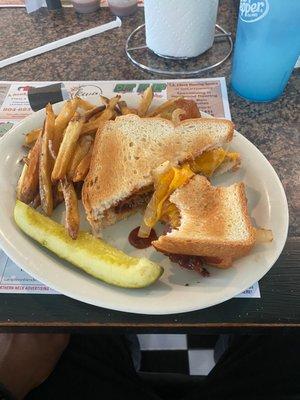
[{"x": 128, "y": 149}]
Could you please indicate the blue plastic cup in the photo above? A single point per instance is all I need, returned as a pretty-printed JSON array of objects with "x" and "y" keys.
[{"x": 267, "y": 47}]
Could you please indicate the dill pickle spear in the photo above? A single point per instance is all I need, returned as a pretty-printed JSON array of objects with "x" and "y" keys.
[{"x": 93, "y": 255}]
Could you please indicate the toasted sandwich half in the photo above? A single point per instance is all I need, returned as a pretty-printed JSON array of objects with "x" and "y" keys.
[
  {"x": 212, "y": 222},
  {"x": 126, "y": 150}
]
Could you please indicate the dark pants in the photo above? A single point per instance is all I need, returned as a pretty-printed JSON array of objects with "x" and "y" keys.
[{"x": 100, "y": 367}]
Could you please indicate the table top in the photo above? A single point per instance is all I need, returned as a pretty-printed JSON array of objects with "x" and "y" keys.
[{"x": 272, "y": 127}]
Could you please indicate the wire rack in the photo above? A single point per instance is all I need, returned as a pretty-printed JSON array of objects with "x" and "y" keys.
[{"x": 141, "y": 56}]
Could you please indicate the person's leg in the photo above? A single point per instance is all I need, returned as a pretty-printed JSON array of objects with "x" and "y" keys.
[
  {"x": 94, "y": 367},
  {"x": 255, "y": 367}
]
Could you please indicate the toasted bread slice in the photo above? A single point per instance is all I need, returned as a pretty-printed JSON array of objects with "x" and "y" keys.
[
  {"x": 214, "y": 222},
  {"x": 228, "y": 165},
  {"x": 129, "y": 148}
]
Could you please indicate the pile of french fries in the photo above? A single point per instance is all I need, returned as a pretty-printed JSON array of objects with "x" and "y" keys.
[{"x": 60, "y": 153}]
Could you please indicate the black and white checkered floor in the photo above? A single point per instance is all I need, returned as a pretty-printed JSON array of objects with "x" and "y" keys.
[{"x": 187, "y": 354}]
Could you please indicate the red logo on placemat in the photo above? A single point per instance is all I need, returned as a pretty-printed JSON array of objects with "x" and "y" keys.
[{"x": 23, "y": 88}]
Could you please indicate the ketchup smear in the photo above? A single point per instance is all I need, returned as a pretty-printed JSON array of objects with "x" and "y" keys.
[
  {"x": 141, "y": 243},
  {"x": 193, "y": 263}
]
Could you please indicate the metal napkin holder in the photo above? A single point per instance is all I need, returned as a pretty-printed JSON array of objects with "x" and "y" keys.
[{"x": 133, "y": 51}]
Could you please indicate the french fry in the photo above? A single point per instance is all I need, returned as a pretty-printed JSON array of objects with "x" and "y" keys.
[
  {"x": 104, "y": 100},
  {"x": 84, "y": 104},
  {"x": 110, "y": 103},
  {"x": 166, "y": 106},
  {"x": 72, "y": 212},
  {"x": 51, "y": 150},
  {"x": 117, "y": 110},
  {"x": 29, "y": 185},
  {"x": 32, "y": 136},
  {"x": 82, "y": 147},
  {"x": 108, "y": 113},
  {"x": 78, "y": 189},
  {"x": 62, "y": 120},
  {"x": 21, "y": 181},
  {"x": 93, "y": 112},
  {"x": 36, "y": 201},
  {"x": 94, "y": 117},
  {"x": 46, "y": 163},
  {"x": 91, "y": 127},
  {"x": 125, "y": 110},
  {"x": 58, "y": 196},
  {"x": 67, "y": 148},
  {"x": 25, "y": 160},
  {"x": 113, "y": 102},
  {"x": 145, "y": 102},
  {"x": 83, "y": 167}
]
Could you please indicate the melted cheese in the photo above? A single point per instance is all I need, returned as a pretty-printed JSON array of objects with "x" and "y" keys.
[
  {"x": 210, "y": 160},
  {"x": 170, "y": 214},
  {"x": 160, "y": 207},
  {"x": 165, "y": 185}
]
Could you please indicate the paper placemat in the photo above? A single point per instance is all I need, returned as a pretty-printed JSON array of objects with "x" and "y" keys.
[{"x": 18, "y": 100}]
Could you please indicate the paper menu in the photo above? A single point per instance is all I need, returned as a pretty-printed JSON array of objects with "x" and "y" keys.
[{"x": 17, "y": 100}]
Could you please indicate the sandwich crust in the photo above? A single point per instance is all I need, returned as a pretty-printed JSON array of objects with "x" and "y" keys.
[
  {"x": 128, "y": 149},
  {"x": 214, "y": 222}
]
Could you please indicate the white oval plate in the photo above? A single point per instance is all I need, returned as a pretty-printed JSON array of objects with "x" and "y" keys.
[{"x": 171, "y": 294}]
